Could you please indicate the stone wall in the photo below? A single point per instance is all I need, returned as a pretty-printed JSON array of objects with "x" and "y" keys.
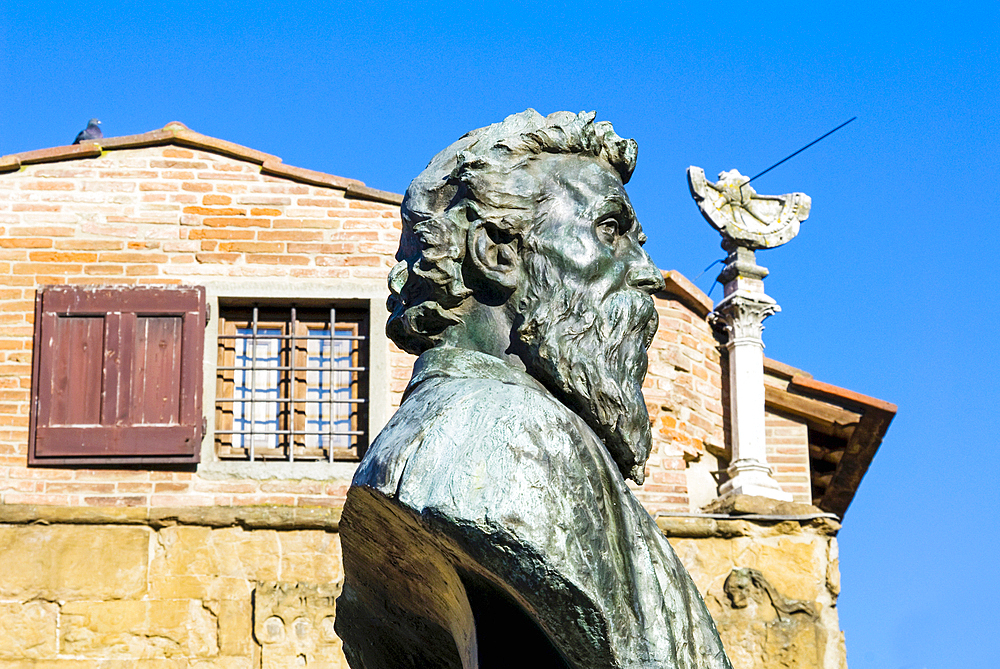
[
  {"x": 255, "y": 587},
  {"x": 168, "y": 595},
  {"x": 771, "y": 587}
]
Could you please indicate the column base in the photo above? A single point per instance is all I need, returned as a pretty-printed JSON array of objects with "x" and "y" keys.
[{"x": 751, "y": 477}]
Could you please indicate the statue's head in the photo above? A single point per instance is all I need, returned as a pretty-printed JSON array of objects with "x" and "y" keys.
[{"x": 530, "y": 216}]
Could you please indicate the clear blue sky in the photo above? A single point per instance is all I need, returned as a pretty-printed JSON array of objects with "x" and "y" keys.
[{"x": 886, "y": 291}]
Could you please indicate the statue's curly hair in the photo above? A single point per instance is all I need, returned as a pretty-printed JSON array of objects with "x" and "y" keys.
[{"x": 464, "y": 183}]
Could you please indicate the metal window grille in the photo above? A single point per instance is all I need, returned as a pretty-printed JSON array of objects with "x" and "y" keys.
[{"x": 292, "y": 383}]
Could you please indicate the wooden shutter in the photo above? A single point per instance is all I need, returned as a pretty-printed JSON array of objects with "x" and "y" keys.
[{"x": 117, "y": 375}]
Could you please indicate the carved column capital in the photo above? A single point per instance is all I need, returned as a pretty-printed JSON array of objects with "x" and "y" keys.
[{"x": 741, "y": 315}]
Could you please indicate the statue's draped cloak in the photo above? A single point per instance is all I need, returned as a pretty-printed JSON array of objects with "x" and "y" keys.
[{"x": 526, "y": 497}]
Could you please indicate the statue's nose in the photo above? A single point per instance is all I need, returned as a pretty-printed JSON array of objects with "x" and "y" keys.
[{"x": 645, "y": 276}]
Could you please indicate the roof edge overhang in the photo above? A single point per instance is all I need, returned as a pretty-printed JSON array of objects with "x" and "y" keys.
[
  {"x": 178, "y": 134},
  {"x": 681, "y": 288},
  {"x": 858, "y": 421}
]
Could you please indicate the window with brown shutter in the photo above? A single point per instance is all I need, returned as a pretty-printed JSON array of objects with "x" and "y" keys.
[
  {"x": 292, "y": 382},
  {"x": 117, "y": 375}
]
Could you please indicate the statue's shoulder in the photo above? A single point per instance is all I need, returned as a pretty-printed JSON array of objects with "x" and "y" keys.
[
  {"x": 453, "y": 383},
  {"x": 447, "y": 407},
  {"x": 453, "y": 421}
]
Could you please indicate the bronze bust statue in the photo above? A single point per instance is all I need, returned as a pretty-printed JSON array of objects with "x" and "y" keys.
[{"x": 489, "y": 524}]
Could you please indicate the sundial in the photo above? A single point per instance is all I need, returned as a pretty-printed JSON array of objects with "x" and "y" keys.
[{"x": 743, "y": 216}]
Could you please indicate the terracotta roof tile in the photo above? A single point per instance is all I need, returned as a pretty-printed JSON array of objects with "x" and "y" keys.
[
  {"x": 179, "y": 134},
  {"x": 276, "y": 168},
  {"x": 55, "y": 154},
  {"x": 807, "y": 383},
  {"x": 682, "y": 288},
  {"x": 363, "y": 192},
  {"x": 784, "y": 371}
]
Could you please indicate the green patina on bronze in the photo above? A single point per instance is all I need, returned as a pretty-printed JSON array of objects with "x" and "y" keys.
[{"x": 489, "y": 524}]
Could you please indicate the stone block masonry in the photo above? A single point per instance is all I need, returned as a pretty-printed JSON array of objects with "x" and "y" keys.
[
  {"x": 82, "y": 595},
  {"x": 785, "y": 614},
  {"x": 257, "y": 587}
]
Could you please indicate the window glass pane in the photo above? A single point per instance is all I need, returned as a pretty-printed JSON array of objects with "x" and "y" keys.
[
  {"x": 256, "y": 410},
  {"x": 329, "y": 389}
]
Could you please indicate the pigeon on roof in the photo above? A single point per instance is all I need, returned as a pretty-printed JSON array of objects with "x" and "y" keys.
[{"x": 91, "y": 132}]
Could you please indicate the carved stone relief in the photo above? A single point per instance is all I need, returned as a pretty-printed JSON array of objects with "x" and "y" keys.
[
  {"x": 761, "y": 627},
  {"x": 740, "y": 585},
  {"x": 293, "y": 623}
]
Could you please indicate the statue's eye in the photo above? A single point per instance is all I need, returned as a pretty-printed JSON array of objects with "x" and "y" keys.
[{"x": 609, "y": 228}]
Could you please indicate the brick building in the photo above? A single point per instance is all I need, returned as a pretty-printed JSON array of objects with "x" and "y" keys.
[{"x": 204, "y": 326}]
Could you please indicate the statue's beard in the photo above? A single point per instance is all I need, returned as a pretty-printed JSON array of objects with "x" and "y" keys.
[{"x": 590, "y": 351}]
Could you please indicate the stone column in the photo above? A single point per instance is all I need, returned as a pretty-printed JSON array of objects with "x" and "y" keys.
[
  {"x": 747, "y": 221},
  {"x": 741, "y": 313}
]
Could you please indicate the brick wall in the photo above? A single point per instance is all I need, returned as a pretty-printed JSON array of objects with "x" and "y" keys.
[
  {"x": 171, "y": 215},
  {"x": 200, "y": 210},
  {"x": 683, "y": 391},
  {"x": 176, "y": 207},
  {"x": 788, "y": 454}
]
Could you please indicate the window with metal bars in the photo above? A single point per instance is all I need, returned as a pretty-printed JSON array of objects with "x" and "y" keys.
[{"x": 292, "y": 383}]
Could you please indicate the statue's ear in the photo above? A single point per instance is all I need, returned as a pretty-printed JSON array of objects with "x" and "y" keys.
[{"x": 495, "y": 253}]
